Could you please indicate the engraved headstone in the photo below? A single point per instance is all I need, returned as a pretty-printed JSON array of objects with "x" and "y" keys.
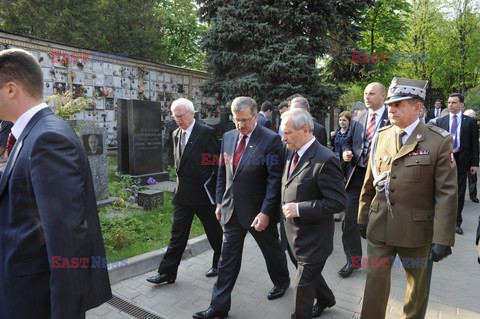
[{"x": 94, "y": 141}]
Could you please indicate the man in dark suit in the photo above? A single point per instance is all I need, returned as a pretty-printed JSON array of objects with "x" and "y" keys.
[
  {"x": 356, "y": 150},
  {"x": 195, "y": 148},
  {"x": 48, "y": 207},
  {"x": 319, "y": 130},
  {"x": 312, "y": 192},
  {"x": 248, "y": 196},
  {"x": 265, "y": 114},
  {"x": 436, "y": 111},
  {"x": 472, "y": 178},
  {"x": 464, "y": 130}
]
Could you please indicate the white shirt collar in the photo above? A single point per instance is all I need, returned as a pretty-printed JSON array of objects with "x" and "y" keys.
[
  {"x": 409, "y": 129},
  {"x": 189, "y": 130},
  {"x": 23, "y": 120},
  {"x": 305, "y": 147},
  {"x": 378, "y": 113}
]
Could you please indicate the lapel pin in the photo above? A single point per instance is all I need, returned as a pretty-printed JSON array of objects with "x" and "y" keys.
[
  {"x": 419, "y": 136},
  {"x": 385, "y": 158}
]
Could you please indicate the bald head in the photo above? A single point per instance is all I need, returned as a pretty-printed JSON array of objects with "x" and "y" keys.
[{"x": 374, "y": 95}]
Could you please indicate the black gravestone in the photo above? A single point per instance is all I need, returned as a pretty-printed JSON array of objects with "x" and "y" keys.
[{"x": 140, "y": 139}]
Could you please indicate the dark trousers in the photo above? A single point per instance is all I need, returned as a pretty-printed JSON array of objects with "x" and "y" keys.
[
  {"x": 182, "y": 222},
  {"x": 309, "y": 284},
  {"x": 231, "y": 260},
  {"x": 472, "y": 185},
  {"x": 352, "y": 245}
]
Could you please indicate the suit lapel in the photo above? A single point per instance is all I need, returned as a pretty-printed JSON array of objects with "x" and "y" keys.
[
  {"x": 252, "y": 144},
  {"x": 176, "y": 147},
  {"x": 384, "y": 118},
  {"x": 19, "y": 145},
  {"x": 192, "y": 141},
  {"x": 417, "y": 135},
  {"x": 303, "y": 163}
]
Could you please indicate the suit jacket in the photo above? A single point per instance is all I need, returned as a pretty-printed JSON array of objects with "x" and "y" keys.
[
  {"x": 356, "y": 138},
  {"x": 320, "y": 133},
  {"x": 255, "y": 186},
  {"x": 48, "y": 209},
  {"x": 263, "y": 121},
  {"x": 196, "y": 165},
  {"x": 316, "y": 184},
  {"x": 468, "y": 153},
  {"x": 431, "y": 113},
  {"x": 423, "y": 190}
]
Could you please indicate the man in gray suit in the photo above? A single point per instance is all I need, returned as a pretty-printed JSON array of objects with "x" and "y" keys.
[
  {"x": 248, "y": 195},
  {"x": 356, "y": 152},
  {"x": 312, "y": 192}
]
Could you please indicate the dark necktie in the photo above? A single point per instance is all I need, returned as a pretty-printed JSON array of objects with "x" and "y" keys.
[
  {"x": 437, "y": 112},
  {"x": 239, "y": 152},
  {"x": 10, "y": 143},
  {"x": 294, "y": 162},
  {"x": 400, "y": 136},
  {"x": 453, "y": 131}
]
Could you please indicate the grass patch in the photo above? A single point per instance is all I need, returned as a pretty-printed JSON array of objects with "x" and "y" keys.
[{"x": 134, "y": 231}]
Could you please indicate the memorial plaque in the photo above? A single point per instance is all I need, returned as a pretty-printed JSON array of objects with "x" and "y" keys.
[{"x": 140, "y": 139}]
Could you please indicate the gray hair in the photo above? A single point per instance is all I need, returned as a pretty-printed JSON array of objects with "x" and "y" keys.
[
  {"x": 470, "y": 113},
  {"x": 241, "y": 103},
  {"x": 299, "y": 118},
  {"x": 303, "y": 103},
  {"x": 183, "y": 102}
]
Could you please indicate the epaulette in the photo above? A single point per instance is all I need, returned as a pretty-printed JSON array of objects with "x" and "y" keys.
[
  {"x": 384, "y": 128},
  {"x": 438, "y": 130}
]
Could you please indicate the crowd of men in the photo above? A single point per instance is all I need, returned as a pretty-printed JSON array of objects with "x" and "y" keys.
[{"x": 403, "y": 192}]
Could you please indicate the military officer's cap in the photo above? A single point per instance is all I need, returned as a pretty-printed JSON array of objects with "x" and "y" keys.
[{"x": 405, "y": 89}]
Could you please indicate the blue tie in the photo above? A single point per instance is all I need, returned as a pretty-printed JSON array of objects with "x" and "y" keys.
[{"x": 453, "y": 131}]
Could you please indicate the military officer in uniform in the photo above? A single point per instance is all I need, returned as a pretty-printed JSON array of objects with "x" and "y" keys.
[{"x": 408, "y": 203}]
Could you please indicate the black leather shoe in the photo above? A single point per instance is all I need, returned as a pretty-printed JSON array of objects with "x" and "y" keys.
[
  {"x": 278, "y": 291},
  {"x": 212, "y": 272},
  {"x": 210, "y": 313},
  {"x": 346, "y": 270},
  {"x": 459, "y": 230},
  {"x": 474, "y": 199},
  {"x": 161, "y": 278},
  {"x": 317, "y": 309}
]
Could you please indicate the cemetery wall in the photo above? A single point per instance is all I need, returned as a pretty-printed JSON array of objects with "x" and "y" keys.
[{"x": 106, "y": 77}]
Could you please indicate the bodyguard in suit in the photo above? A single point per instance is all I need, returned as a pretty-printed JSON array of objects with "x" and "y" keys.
[
  {"x": 248, "y": 197},
  {"x": 464, "y": 131},
  {"x": 265, "y": 115},
  {"x": 319, "y": 130},
  {"x": 436, "y": 111},
  {"x": 312, "y": 192},
  {"x": 408, "y": 202},
  {"x": 48, "y": 207},
  {"x": 195, "y": 148},
  {"x": 356, "y": 150}
]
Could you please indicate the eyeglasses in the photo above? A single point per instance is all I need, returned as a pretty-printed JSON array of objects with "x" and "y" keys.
[
  {"x": 243, "y": 121},
  {"x": 179, "y": 116}
]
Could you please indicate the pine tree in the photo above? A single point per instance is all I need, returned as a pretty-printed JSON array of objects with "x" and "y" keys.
[{"x": 268, "y": 49}]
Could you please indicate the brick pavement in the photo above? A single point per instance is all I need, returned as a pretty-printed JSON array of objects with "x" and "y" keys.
[{"x": 454, "y": 290}]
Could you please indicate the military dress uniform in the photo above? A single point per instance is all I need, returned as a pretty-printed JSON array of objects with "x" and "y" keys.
[{"x": 408, "y": 202}]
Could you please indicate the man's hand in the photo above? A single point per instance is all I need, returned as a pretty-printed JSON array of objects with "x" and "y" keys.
[
  {"x": 473, "y": 170},
  {"x": 478, "y": 252},
  {"x": 218, "y": 212},
  {"x": 260, "y": 222},
  {"x": 347, "y": 156},
  {"x": 362, "y": 230},
  {"x": 438, "y": 252},
  {"x": 290, "y": 210}
]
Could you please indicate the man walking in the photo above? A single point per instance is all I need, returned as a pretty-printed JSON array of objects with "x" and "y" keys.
[
  {"x": 408, "y": 202},
  {"x": 356, "y": 152},
  {"x": 195, "y": 148},
  {"x": 248, "y": 195},
  {"x": 308, "y": 206},
  {"x": 464, "y": 131},
  {"x": 48, "y": 206}
]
